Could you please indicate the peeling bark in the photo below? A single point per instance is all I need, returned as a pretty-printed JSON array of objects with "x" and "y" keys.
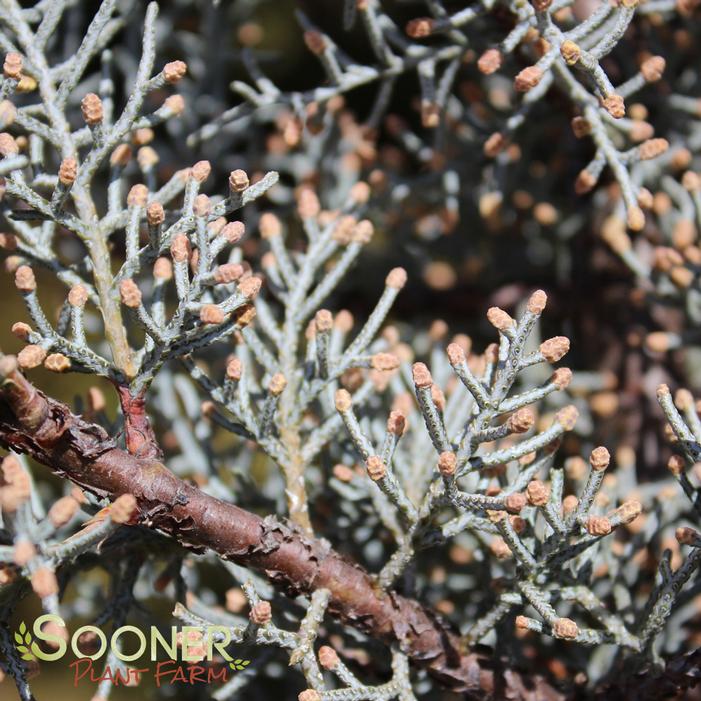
[{"x": 34, "y": 424}]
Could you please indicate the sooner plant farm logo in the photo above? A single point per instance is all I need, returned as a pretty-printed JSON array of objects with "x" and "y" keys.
[{"x": 192, "y": 654}]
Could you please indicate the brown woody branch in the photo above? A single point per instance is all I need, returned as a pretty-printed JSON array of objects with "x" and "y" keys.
[{"x": 32, "y": 423}]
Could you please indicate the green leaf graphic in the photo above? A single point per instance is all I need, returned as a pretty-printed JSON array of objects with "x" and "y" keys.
[
  {"x": 25, "y": 653},
  {"x": 239, "y": 664},
  {"x": 23, "y": 638}
]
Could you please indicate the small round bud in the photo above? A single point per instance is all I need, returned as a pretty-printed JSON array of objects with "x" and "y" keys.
[
  {"x": 584, "y": 182},
  {"x": 24, "y": 551},
  {"x": 627, "y": 512},
  {"x": 515, "y": 502},
  {"x": 308, "y": 205},
  {"x": 343, "y": 473},
  {"x": 78, "y": 296},
  {"x": 277, "y": 384},
  {"x": 328, "y": 658},
  {"x": 494, "y": 144},
  {"x": 658, "y": 342},
  {"x": 309, "y": 695},
  {"x": 521, "y": 421},
  {"x": 12, "y": 66},
  {"x": 640, "y": 131},
  {"x": 396, "y": 423},
  {"x": 24, "y": 279},
  {"x": 238, "y": 180},
  {"x": 635, "y": 218},
  {"x": 537, "y": 302},
  {"x": 163, "y": 269},
  {"x": 143, "y": 136},
  {"x": 489, "y": 62},
  {"x": 315, "y": 41},
  {"x": 250, "y": 287},
  {"x": 683, "y": 399},
  {"x": 91, "y": 107},
  {"x": 8, "y": 145},
  {"x": 570, "y": 52},
  {"x": 228, "y": 273},
  {"x": 691, "y": 181},
  {"x": 269, "y": 226},
  {"x": 421, "y": 375},
  {"x": 96, "y": 403},
  {"x": 57, "y": 362},
  {"x": 676, "y": 465},
  {"x": 581, "y": 127},
  {"x": 123, "y": 509},
  {"x": 138, "y": 196},
  {"x": 598, "y": 525},
  {"x": 21, "y": 330},
  {"x": 447, "y": 463},
  {"x": 359, "y": 193},
  {"x": 567, "y": 417},
  {"x": 261, "y": 613},
  {"x": 645, "y": 198},
  {"x": 681, "y": 276},
  {"x": 522, "y": 623},
  {"x": 129, "y": 293},
  {"x": 343, "y": 400},
  {"x": 456, "y": 354},
  {"x": 211, "y": 314},
  {"x": 174, "y": 104},
  {"x": 323, "y": 321},
  {"x": 599, "y": 459},
  {"x": 565, "y": 628},
  {"x": 375, "y": 467},
  {"x": 555, "y": 348},
  {"x": 562, "y": 377},
  {"x": 419, "y": 28},
  {"x": 155, "y": 214},
  {"x": 121, "y": 155},
  {"x": 653, "y": 68},
  {"x": 528, "y": 78},
  {"x": 686, "y": 536},
  {"x": 235, "y": 600},
  {"x": 651, "y": 148},
  {"x": 233, "y": 232},
  {"x": 384, "y": 362},
  {"x": 396, "y": 278},
  {"x": 234, "y": 369},
  {"x": 200, "y": 171},
  {"x": 44, "y": 582},
  {"x": 67, "y": 171},
  {"x": 499, "y": 318},
  {"x": 362, "y": 232},
  {"x": 537, "y": 493},
  {"x": 8, "y": 242},
  {"x": 202, "y": 206},
  {"x": 8, "y": 112},
  {"x": 147, "y": 158},
  {"x": 174, "y": 71},
  {"x": 31, "y": 356},
  {"x": 615, "y": 106},
  {"x": 62, "y": 511},
  {"x": 180, "y": 248}
]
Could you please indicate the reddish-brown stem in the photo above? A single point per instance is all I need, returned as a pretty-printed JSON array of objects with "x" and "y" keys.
[
  {"x": 140, "y": 438},
  {"x": 32, "y": 423}
]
